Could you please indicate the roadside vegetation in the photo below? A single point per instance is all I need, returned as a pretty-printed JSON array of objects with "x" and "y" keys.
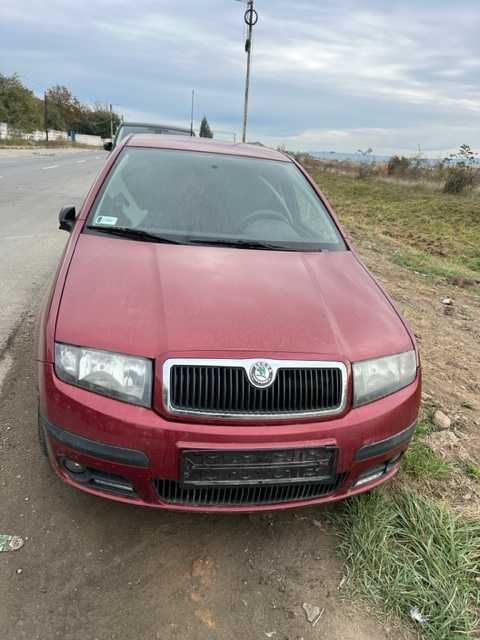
[
  {"x": 205, "y": 131},
  {"x": 424, "y": 464},
  {"x": 426, "y": 230},
  {"x": 411, "y": 555},
  {"x": 408, "y": 550},
  {"x": 24, "y": 112},
  {"x": 415, "y": 559},
  {"x": 457, "y": 173}
]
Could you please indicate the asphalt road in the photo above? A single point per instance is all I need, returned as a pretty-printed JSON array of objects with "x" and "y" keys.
[
  {"x": 33, "y": 188},
  {"x": 91, "y": 569}
]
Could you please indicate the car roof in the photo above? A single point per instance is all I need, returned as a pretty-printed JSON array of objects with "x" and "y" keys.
[
  {"x": 205, "y": 145},
  {"x": 153, "y": 124}
]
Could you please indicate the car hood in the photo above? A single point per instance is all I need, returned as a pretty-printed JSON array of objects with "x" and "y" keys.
[{"x": 156, "y": 299}]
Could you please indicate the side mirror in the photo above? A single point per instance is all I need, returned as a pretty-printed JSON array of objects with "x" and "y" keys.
[
  {"x": 108, "y": 146},
  {"x": 66, "y": 218}
]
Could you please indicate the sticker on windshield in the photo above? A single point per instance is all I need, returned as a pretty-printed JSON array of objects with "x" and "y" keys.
[{"x": 109, "y": 220}]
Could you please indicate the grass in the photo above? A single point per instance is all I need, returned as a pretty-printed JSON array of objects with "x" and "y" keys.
[
  {"x": 437, "y": 234},
  {"x": 421, "y": 462},
  {"x": 439, "y": 268},
  {"x": 473, "y": 471},
  {"x": 424, "y": 427},
  {"x": 404, "y": 551}
]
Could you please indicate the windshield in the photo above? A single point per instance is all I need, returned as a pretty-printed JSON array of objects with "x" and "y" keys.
[
  {"x": 127, "y": 129},
  {"x": 213, "y": 198}
]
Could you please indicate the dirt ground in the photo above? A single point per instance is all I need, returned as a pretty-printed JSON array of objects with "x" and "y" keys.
[{"x": 94, "y": 570}]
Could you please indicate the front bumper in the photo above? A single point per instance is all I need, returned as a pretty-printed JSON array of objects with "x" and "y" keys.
[{"x": 132, "y": 454}]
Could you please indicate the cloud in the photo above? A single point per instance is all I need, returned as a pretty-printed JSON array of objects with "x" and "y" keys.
[
  {"x": 430, "y": 140},
  {"x": 336, "y": 74}
]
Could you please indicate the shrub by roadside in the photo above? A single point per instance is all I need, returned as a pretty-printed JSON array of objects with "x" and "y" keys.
[
  {"x": 456, "y": 174},
  {"x": 461, "y": 170}
]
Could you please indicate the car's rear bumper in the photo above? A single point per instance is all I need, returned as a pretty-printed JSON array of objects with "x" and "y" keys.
[{"x": 133, "y": 453}]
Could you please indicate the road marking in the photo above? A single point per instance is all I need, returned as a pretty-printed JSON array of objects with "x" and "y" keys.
[
  {"x": 98, "y": 157},
  {"x": 80, "y": 161},
  {"x": 25, "y": 237},
  {"x": 50, "y": 166}
]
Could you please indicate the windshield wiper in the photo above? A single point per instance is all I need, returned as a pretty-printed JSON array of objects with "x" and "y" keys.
[
  {"x": 248, "y": 244},
  {"x": 150, "y": 236},
  {"x": 136, "y": 234}
]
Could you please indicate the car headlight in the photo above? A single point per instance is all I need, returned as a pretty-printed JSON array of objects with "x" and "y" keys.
[
  {"x": 122, "y": 377},
  {"x": 374, "y": 379}
]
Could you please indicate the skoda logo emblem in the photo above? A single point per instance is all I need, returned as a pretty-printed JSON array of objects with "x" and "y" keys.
[{"x": 261, "y": 374}]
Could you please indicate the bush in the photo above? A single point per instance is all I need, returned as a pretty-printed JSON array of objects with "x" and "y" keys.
[
  {"x": 413, "y": 168},
  {"x": 366, "y": 166},
  {"x": 398, "y": 165},
  {"x": 460, "y": 170}
]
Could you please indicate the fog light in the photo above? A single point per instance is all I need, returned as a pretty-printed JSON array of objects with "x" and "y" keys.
[
  {"x": 370, "y": 476},
  {"x": 113, "y": 484},
  {"x": 394, "y": 461},
  {"x": 74, "y": 467}
]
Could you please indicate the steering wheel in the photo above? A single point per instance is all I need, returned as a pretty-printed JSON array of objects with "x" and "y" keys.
[{"x": 263, "y": 214}]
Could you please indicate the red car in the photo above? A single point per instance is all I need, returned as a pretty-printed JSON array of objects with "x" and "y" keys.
[{"x": 212, "y": 341}]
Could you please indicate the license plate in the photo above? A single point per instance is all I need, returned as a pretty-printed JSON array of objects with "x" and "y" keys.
[{"x": 265, "y": 466}]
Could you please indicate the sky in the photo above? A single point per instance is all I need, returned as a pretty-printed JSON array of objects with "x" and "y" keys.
[{"x": 327, "y": 75}]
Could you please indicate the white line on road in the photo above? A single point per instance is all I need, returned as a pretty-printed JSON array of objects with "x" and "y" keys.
[
  {"x": 80, "y": 161},
  {"x": 50, "y": 166},
  {"x": 25, "y": 237}
]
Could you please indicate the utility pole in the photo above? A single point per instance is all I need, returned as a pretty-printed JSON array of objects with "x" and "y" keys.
[
  {"x": 251, "y": 19},
  {"x": 45, "y": 117},
  {"x": 191, "y": 119},
  {"x": 111, "y": 122}
]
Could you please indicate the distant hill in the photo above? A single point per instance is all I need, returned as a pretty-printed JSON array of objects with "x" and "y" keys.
[
  {"x": 353, "y": 157},
  {"x": 358, "y": 157}
]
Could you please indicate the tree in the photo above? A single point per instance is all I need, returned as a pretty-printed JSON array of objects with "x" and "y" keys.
[
  {"x": 66, "y": 112},
  {"x": 205, "y": 131},
  {"x": 96, "y": 121},
  {"x": 18, "y": 106},
  {"x": 64, "y": 109},
  {"x": 24, "y": 112}
]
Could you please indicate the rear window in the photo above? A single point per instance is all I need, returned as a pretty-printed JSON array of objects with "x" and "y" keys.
[
  {"x": 209, "y": 196},
  {"x": 126, "y": 130}
]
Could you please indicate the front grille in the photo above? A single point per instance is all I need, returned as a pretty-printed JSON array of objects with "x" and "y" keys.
[
  {"x": 227, "y": 390},
  {"x": 174, "y": 492}
]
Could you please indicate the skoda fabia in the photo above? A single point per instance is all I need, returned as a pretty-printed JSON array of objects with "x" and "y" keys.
[{"x": 213, "y": 342}]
